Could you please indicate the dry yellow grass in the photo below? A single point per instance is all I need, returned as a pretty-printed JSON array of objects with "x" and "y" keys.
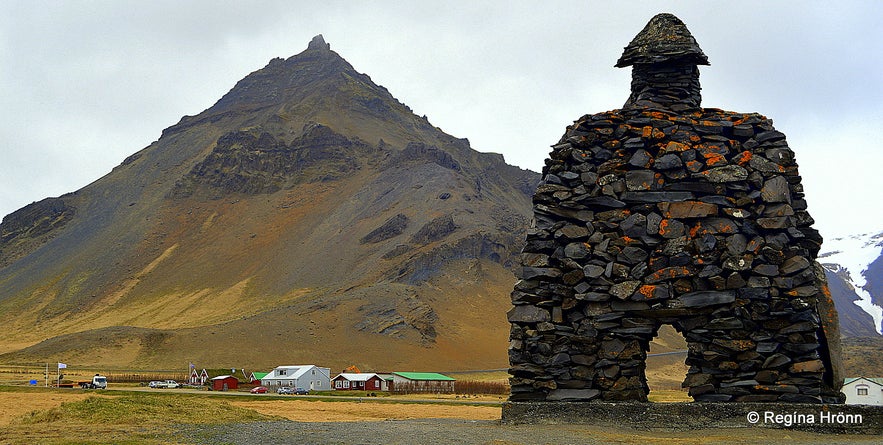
[
  {"x": 17, "y": 405},
  {"x": 318, "y": 411}
]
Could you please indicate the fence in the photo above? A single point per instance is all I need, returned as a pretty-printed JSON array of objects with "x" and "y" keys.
[
  {"x": 145, "y": 377},
  {"x": 447, "y": 387},
  {"x": 480, "y": 387},
  {"x": 425, "y": 387},
  {"x": 22, "y": 374}
]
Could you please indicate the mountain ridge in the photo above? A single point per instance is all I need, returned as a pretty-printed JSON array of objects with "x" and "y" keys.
[{"x": 245, "y": 221}]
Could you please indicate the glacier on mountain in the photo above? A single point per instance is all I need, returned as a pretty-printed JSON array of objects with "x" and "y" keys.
[{"x": 849, "y": 257}]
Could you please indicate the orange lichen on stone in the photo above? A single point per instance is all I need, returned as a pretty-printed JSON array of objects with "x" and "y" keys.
[
  {"x": 714, "y": 159},
  {"x": 632, "y": 241},
  {"x": 695, "y": 229},
  {"x": 668, "y": 273},
  {"x": 831, "y": 313},
  {"x": 646, "y": 132},
  {"x": 726, "y": 228},
  {"x": 744, "y": 157},
  {"x": 663, "y": 226},
  {"x": 647, "y": 290},
  {"x": 694, "y": 166},
  {"x": 771, "y": 388},
  {"x": 675, "y": 147}
]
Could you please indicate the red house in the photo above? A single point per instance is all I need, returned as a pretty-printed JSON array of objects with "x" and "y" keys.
[
  {"x": 224, "y": 382},
  {"x": 358, "y": 382}
]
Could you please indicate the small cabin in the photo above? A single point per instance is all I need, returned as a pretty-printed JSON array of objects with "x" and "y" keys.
[{"x": 224, "y": 383}]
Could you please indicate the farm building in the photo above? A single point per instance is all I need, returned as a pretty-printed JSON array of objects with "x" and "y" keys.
[
  {"x": 863, "y": 391},
  {"x": 363, "y": 381},
  {"x": 224, "y": 382},
  {"x": 196, "y": 377},
  {"x": 299, "y": 376},
  {"x": 421, "y": 382},
  {"x": 256, "y": 377},
  {"x": 387, "y": 380}
]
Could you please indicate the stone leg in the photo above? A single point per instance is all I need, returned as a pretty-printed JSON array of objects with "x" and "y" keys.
[{"x": 621, "y": 366}]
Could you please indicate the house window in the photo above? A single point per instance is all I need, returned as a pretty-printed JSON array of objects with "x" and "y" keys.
[
  {"x": 862, "y": 390},
  {"x": 281, "y": 372}
]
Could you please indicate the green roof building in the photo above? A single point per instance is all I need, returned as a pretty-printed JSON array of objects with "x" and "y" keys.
[{"x": 421, "y": 382}]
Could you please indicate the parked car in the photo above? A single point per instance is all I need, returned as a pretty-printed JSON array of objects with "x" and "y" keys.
[
  {"x": 164, "y": 384},
  {"x": 292, "y": 390},
  {"x": 259, "y": 390}
]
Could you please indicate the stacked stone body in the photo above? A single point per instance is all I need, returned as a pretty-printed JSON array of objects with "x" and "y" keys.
[{"x": 666, "y": 213}]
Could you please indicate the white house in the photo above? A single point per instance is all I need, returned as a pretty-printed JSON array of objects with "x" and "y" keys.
[
  {"x": 863, "y": 391},
  {"x": 299, "y": 376}
]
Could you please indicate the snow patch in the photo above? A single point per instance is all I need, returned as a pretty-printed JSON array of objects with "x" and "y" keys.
[{"x": 851, "y": 256}]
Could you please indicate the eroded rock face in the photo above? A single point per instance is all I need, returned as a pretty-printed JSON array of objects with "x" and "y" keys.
[
  {"x": 254, "y": 162},
  {"x": 31, "y": 226},
  {"x": 667, "y": 213}
]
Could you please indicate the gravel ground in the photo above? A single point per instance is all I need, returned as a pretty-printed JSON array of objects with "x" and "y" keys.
[{"x": 448, "y": 431}]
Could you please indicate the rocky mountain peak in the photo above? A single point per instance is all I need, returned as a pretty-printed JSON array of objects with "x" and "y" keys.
[{"x": 318, "y": 43}]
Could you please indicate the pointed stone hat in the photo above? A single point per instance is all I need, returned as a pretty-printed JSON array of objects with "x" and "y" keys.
[{"x": 665, "y": 39}]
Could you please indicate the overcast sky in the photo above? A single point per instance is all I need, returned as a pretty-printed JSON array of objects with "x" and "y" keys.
[{"x": 84, "y": 84}]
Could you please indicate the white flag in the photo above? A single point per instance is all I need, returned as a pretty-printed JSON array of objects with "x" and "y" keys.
[{"x": 61, "y": 365}]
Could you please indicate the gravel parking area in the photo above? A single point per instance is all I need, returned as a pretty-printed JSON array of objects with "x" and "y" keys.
[{"x": 452, "y": 431}]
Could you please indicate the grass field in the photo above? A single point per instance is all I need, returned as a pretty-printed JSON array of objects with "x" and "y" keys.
[
  {"x": 131, "y": 414},
  {"x": 61, "y": 416},
  {"x": 138, "y": 416}
]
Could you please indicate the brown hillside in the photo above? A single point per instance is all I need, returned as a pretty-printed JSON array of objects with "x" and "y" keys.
[{"x": 308, "y": 216}]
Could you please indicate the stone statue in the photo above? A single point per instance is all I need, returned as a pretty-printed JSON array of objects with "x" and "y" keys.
[{"x": 664, "y": 212}]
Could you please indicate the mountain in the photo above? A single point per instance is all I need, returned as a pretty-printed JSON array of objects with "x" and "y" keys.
[
  {"x": 307, "y": 216},
  {"x": 854, "y": 267}
]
